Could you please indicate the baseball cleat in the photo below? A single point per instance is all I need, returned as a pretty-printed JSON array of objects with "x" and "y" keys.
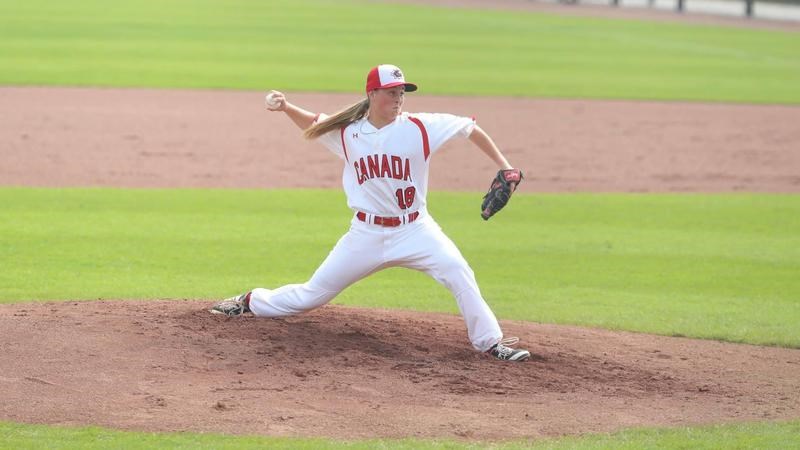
[
  {"x": 234, "y": 306},
  {"x": 503, "y": 352}
]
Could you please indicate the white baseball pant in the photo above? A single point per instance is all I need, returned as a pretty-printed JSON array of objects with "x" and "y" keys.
[{"x": 367, "y": 248}]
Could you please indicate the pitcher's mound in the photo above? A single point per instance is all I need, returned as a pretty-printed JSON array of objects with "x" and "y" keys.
[{"x": 362, "y": 373}]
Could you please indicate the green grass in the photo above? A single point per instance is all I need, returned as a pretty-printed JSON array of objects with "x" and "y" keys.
[
  {"x": 329, "y": 45},
  {"x": 714, "y": 266},
  {"x": 710, "y": 266},
  {"x": 729, "y": 437}
]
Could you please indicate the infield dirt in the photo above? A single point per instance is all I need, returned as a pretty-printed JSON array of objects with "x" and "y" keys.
[
  {"x": 160, "y": 138},
  {"x": 363, "y": 373},
  {"x": 355, "y": 373}
]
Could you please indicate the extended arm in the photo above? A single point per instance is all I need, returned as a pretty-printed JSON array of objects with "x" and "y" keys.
[
  {"x": 301, "y": 117},
  {"x": 504, "y": 183},
  {"x": 487, "y": 146}
]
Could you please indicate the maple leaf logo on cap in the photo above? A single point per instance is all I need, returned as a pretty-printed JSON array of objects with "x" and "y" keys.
[{"x": 387, "y": 76}]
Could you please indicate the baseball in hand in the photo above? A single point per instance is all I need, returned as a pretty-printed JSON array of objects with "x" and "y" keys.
[{"x": 272, "y": 102}]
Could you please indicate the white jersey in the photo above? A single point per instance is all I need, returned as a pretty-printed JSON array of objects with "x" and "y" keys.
[
  {"x": 386, "y": 169},
  {"x": 386, "y": 177}
]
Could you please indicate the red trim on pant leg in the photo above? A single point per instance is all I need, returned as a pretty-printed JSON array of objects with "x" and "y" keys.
[{"x": 247, "y": 300}]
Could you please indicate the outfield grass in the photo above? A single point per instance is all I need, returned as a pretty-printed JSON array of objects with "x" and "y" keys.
[
  {"x": 715, "y": 266},
  {"x": 729, "y": 437},
  {"x": 711, "y": 266},
  {"x": 328, "y": 46}
]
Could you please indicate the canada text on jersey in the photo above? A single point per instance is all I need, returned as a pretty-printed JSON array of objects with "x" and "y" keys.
[{"x": 385, "y": 166}]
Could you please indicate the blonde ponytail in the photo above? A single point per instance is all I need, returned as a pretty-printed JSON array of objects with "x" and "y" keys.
[{"x": 340, "y": 119}]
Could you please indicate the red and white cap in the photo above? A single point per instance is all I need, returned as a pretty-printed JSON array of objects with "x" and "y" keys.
[{"x": 387, "y": 76}]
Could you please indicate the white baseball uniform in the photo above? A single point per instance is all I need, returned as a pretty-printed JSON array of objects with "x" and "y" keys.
[{"x": 385, "y": 178}]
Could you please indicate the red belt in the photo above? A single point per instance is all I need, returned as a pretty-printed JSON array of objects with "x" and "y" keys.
[{"x": 388, "y": 221}]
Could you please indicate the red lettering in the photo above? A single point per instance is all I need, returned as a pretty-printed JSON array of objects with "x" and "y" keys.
[
  {"x": 405, "y": 198},
  {"x": 386, "y": 170},
  {"x": 384, "y": 166},
  {"x": 358, "y": 175},
  {"x": 364, "y": 176},
  {"x": 397, "y": 168},
  {"x": 374, "y": 166},
  {"x": 410, "y": 193}
]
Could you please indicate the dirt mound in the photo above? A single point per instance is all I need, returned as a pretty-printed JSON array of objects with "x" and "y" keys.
[{"x": 357, "y": 373}]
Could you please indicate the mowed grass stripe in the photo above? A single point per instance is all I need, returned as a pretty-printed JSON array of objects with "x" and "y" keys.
[
  {"x": 317, "y": 45},
  {"x": 734, "y": 436},
  {"x": 711, "y": 266}
]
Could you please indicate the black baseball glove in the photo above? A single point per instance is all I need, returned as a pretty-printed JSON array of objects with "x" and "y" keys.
[{"x": 503, "y": 185}]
